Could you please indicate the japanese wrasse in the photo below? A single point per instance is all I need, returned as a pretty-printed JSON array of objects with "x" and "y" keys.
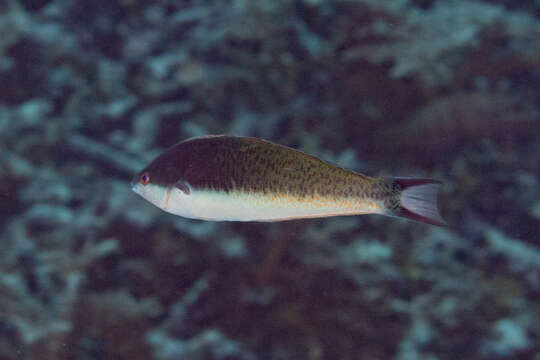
[{"x": 231, "y": 178}]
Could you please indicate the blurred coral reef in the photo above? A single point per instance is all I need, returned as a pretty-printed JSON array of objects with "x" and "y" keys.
[{"x": 92, "y": 90}]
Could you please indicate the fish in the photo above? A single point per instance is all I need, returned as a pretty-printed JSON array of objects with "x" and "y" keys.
[{"x": 236, "y": 178}]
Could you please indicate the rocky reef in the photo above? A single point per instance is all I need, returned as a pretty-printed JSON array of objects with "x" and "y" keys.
[{"x": 90, "y": 91}]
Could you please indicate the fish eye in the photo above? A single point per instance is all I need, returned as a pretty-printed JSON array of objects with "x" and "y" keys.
[{"x": 145, "y": 178}]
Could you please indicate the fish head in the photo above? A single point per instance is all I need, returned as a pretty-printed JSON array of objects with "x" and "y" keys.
[
  {"x": 163, "y": 181},
  {"x": 154, "y": 192},
  {"x": 162, "y": 185}
]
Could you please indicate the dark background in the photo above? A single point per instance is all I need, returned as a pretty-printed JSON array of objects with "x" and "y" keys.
[{"x": 90, "y": 91}]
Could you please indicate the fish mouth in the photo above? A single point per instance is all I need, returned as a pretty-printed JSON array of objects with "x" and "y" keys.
[
  {"x": 134, "y": 181},
  {"x": 135, "y": 188}
]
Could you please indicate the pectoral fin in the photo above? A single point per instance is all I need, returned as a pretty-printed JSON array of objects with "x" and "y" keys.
[{"x": 183, "y": 187}]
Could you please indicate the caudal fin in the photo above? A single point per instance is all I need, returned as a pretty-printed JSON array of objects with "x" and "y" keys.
[{"x": 418, "y": 200}]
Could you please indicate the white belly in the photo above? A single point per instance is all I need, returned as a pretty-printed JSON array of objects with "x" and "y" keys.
[{"x": 237, "y": 206}]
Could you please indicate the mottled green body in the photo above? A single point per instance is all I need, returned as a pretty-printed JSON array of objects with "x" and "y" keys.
[
  {"x": 251, "y": 165},
  {"x": 248, "y": 179}
]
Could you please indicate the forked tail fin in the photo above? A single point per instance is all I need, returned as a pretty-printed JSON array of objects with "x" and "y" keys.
[{"x": 417, "y": 200}]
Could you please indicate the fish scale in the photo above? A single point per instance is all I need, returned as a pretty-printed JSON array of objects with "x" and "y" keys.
[{"x": 249, "y": 179}]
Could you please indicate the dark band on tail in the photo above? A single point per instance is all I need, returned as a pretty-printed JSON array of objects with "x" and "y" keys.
[{"x": 417, "y": 200}]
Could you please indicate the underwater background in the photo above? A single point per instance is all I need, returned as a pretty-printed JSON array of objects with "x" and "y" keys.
[{"x": 90, "y": 91}]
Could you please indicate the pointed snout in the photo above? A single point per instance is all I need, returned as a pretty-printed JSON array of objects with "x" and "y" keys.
[{"x": 134, "y": 181}]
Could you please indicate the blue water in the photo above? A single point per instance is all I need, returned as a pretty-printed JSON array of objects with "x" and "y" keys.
[{"x": 90, "y": 91}]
